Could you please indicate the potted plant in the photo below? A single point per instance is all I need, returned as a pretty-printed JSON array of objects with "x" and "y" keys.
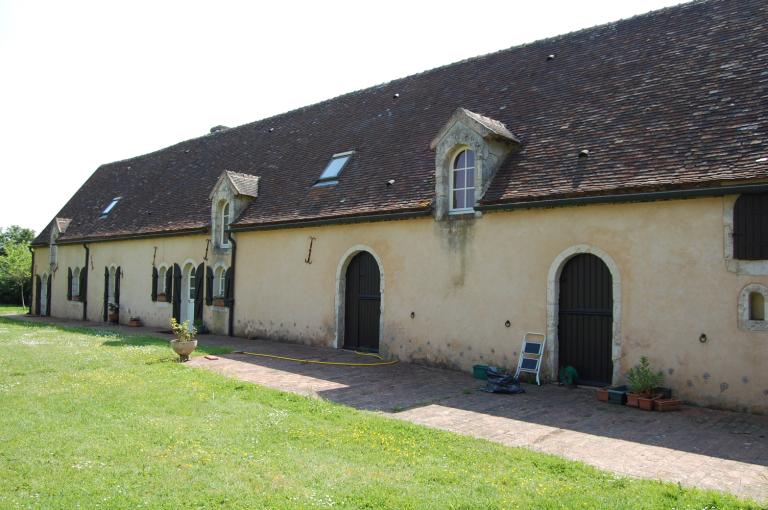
[
  {"x": 185, "y": 343},
  {"x": 161, "y": 297},
  {"x": 114, "y": 313},
  {"x": 219, "y": 301},
  {"x": 134, "y": 322},
  {"x": 642, "y": 382}
]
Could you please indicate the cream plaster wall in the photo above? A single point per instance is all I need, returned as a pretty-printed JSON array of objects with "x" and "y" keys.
[
  {"x": 135, "y": 258},
  {"x": 464, "y": 277}
]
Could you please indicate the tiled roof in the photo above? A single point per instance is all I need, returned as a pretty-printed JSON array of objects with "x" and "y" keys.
[
  {"x": 674, "y": 98},
  {"x": 244, "y": 184}
]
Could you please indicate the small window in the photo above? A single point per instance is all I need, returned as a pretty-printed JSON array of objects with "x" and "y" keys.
[
  {"x": 109, "y": 207},
  {"x": 463, "y": 181},
  {"x": 192, "y": 284},
  {"x": 756, "y": 306},
  {"x": 161, "y": 280},
  {"x": 750, "y": 227},
  {"x": 76, "y": 282},
  {"x": 331, "y": 173},
  {"x": 225, "y": 219},
  {"x": 220, "y": 282}
]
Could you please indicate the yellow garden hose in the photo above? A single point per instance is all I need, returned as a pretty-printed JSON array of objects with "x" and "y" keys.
[{"x": 316, "y": 362}]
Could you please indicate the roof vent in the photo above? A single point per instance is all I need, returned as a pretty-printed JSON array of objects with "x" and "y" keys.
[
  {"x": 395, "y": 96},
  {"x": 550, "y": 57},
  {"x": 271, "y": 130},
  {"x": 390, "y": 182},
  {"x": 584, "y": 153},
  {"x": 218, "y": 129}
]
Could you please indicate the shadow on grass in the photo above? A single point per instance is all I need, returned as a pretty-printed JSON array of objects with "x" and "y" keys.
[{"x": 115, "y": 338}]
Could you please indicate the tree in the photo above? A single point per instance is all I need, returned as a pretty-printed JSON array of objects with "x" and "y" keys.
[
  {"x": 15, "y": 266},
  {"x": 15, "y": 235}
]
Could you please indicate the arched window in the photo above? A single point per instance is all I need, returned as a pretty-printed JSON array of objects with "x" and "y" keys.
[
  {"x": 752, "y": 310},
  {"x": 76, "y": 283},
  {"x": 225, "y": 219},
  {"x": 750, "y": 227},
  {"x": 220, "y": 282},
  {"x": 163, "y": 292},
  {"x": 463, "y": 181}
]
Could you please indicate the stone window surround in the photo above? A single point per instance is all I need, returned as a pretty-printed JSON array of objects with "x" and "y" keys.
[
  {"x": 455, "y": 142},
  {"x": 745, "y": 323},
  {"x": 553, "y": 298},
  {"x": 745, "y": 267},
  {"x": 341, "y": 291}
]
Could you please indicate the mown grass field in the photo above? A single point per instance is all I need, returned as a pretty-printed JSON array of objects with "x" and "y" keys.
[
  {"x": 12, "y": 309},
  {"x": 95, "y": 420}
]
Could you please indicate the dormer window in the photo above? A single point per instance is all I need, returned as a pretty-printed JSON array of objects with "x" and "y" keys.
[
  {"x": 225, "y": 220},
  {"x": 463, "y": 182},
  {"x": 109, "y": 207},
  {"x": 330, "y": 175}
]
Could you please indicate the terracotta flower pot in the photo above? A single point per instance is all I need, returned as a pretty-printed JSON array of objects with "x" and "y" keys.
[
  {"x": 184, "y": 349},
  {"x": 668, "y": 404},
  {"x": 632, "y": 399},
  {"x": 602, "y": 394},
  {"x": 114, "y": 317},
  {"x": 219, "y": 302},
  {"x": 162, "y": 298},
  {"x": 134, "y": 323},
  {"x": 646, "y": 403}
]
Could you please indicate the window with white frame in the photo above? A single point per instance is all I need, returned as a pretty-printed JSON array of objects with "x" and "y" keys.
[
  {"x": 76, "y": 283},
  {"x": 463, "y": 181},
  {"x": 225, "y": 219},
  {"x": 162, "y": 274},
  {"x": 220, "y": 282}
]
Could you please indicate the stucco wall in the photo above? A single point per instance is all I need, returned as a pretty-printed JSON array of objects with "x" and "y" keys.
[{"x": 463, "y": 278}]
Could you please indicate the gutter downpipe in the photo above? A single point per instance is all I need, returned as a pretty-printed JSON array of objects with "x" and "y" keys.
[
  {"x": 84, "y": 297},
  {"x": 231, "y": 325},
  {"x": 32, "y": 280}
]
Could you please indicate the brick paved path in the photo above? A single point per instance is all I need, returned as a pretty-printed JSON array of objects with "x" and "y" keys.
[{"x": 696, "y": 447}]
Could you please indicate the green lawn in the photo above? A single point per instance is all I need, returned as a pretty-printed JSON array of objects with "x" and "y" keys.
[
  {"x": 12, "y": 309},
  {"x": 95, "y": 420}
]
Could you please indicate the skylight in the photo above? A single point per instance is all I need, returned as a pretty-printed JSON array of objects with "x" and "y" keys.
[
  {"x": 331, "y": 173},
  {"x": 111, "y": 206}
]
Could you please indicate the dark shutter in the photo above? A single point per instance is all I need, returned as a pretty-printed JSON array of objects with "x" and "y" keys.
[
  {"x": 199, "y": 273},
  {"x": 750, "y": 227},
  {"x": 106, "y": 294},
  {"x": 168, "y": 288},
  {"x": 83, "y": 287},
  {"x": 363, "y": 303},
  {"x": 117, "y": 285},
  {"x": 154, "y": 283},
  {"x": 208, "y": 286},
  {"x": 177, "y": 292},
  {"x": 38, "y": 291},
  {"x": 69, "y": 284},
  {"x": 228, "y": 297},
  {"x": 48, "y": 297}
]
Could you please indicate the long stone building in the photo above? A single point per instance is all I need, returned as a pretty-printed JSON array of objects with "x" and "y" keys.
[{"x": 607, "y": 188}]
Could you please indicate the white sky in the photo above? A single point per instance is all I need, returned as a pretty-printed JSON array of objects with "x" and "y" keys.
[{"x": 86, "y": 83}]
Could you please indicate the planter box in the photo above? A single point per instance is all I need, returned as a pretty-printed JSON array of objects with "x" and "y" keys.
[
  {"x": 219, "y": 302},
  {"x": 114, "y": 317},
  {"x": 668, "y": 404},
  {"x": 647, "y": 403},
  {"x": 134, "y": 323},
  {"x": 161, "y": 298},
  {"x": 602, "y": 394},
  {"x": 632, "y": 399},
  {"x": 618, "y": 395},
  {"x": 480, "y": 372}
]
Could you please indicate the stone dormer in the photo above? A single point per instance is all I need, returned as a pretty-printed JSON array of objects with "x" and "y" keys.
[
  {"x": 60, "y": 226},
  {"x": 469, "y": 150},
  {"x": 231, "y": 194}
]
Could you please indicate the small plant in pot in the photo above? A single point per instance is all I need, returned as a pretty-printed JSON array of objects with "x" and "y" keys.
[
  {"x": 642, "y": 382},
  {"x": 114, "y": 313},
  {"x": 185, "y": 343},
  {"x": 134, "y": 321}
]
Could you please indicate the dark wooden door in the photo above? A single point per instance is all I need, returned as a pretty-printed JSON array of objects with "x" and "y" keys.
[
  {"x": 585, "y": 327},
  {"x": 363, "y": 303}
]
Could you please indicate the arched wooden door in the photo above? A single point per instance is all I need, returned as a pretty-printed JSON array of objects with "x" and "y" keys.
[
  {"x": 585, "y": 322},
  {"x": 363, "y": 303}
]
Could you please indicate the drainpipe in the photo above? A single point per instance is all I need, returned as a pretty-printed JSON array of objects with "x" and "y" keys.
[
  {"x": 231, "y": 330},
  {"x": 32, "y": 280},
  {"x": 84, "y": 290}
]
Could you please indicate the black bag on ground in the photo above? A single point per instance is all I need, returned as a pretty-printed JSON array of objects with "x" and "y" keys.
[{"x": 501, "y": 382}]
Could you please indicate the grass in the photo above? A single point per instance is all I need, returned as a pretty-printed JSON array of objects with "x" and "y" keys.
[
  {"x": 95, "y": 420},
  {"x": 12, "y": 309}
]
